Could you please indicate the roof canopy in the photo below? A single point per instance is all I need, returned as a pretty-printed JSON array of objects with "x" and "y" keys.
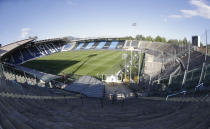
[{"x": 11, "y": 46}]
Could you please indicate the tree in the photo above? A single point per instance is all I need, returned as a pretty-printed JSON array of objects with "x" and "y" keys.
[
  {"x": 140, "y": 37},
  {"x": 127, "y": 38},
  {"x": 185, "y": 40},
  {"x": 149, "y": 38},
  {"x": 163, "y": 39},
  {"x": 173, "y": 41},
  {"x": 158, "y": 38}
]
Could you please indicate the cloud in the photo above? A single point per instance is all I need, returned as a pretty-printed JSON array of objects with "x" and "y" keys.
[
  {"x": 202, "y": 9},
  {"x": 24, "y": 32}
]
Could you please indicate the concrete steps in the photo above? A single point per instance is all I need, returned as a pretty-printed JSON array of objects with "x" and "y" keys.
[
  {"x": 134, "y": 113},
  {"x": 14, "y": 118},
  {"x": 27, "y": 114}
]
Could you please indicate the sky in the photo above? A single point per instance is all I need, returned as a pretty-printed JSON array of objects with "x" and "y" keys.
[{"x": 173, "y": 19}]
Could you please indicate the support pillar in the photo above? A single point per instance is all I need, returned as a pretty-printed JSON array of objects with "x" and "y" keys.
[{"x": 201, "y": 76}]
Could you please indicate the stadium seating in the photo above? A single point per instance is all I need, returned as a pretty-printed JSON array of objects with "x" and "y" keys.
[
  {"x": 26, "y": 105},
  {"x": 67, "y": 47},
  {"x": 42, "y": 108},
  {"x": 107, "y": 45},
  {"x": 101, "y": 45},
  {"x": 113, "y": 44},
  {"x": 17, "y": 57},
  {"x": 120, "y": 45},
  {"x": 84, "y": 46},
  {"x": 89, "y": 45},
  {"x": 135, "y": 44},
  {"x": 79, "y": 46},
  {"x": 25, "y": 54},
  {"x": 195, "y": 59},
  {"x": 128, "y": 43},
  {"x": 94, "y": 45},
  {"x": 87, "y": 86}
]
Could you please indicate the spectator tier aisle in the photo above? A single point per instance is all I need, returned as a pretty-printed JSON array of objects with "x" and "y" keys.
[
  {"x": 107, "y": 45},
  {"x": 101, "y": 45},
  {"x": 120, "y": 45},
  {"x": 94, "y": 45},
  {"x": 84, "y": 46}
]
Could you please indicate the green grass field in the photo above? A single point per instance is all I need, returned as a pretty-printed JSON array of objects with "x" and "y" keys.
[{"x": 79, "y": 62}]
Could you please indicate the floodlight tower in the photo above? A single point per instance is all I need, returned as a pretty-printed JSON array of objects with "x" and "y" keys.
[
  {"x": 131, "y": 50},
  {"x": 124, "y": 56},
  {"x": 139, "y": 66},
  {"x": 131, "y": 61},
  {"x": 204, "y": 63}
]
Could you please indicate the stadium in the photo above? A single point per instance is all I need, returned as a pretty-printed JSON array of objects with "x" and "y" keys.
[{"x": 103, "y": 83}]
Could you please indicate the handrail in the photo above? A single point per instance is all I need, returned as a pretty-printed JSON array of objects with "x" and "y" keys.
[
  {"x": 24, "y": 96},
  {"x": 182, "y": 92},
  {"x": 198, "y": 86}
]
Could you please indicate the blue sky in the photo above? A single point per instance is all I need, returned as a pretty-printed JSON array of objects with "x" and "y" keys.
[{"x": 20, "y": 19}]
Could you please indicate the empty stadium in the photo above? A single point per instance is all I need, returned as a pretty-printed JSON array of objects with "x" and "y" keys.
[{"x": 103, "y": 83}]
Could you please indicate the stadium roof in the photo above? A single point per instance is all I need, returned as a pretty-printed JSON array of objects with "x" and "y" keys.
[
  {"x": 50, "y": 40},
  {"x": 11, "y": 46}
]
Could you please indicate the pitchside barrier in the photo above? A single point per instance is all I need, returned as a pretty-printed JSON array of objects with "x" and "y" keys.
[{"x": 23, "y": 77}]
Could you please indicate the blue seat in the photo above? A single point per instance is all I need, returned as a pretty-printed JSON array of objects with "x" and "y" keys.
[
  {"x": 89, "y": 45},
  {"x": 113, "y": 44},
  {"x": 101, "y": 45},
  {"x": 67, "y": 46},
  {"x": 35, "y": 51},
  {"x": 79, "y": 46},
  {"x": 26, "y": 55},
  {"x": 17, "y": 57}
]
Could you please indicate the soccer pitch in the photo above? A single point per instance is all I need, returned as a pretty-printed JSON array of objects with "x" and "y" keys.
[{"x": 85, "y": 62}]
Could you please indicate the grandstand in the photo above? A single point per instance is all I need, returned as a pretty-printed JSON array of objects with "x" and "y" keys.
[
  {"x": 42, "y": 108},
  {"x": 27, "y": 49},
  {"x": 35, "y": 98},
  {"x": 163, "y": 59}
]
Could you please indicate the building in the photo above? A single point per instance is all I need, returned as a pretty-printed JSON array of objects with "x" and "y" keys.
[{"x": 196, "y": 41}]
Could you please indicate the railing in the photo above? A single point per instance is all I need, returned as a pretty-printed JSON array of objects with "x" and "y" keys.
[
  {"x": 182, "y": 92},
  {"x": 24, "y": 96},
  {"x": 198, "y": 86}
]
